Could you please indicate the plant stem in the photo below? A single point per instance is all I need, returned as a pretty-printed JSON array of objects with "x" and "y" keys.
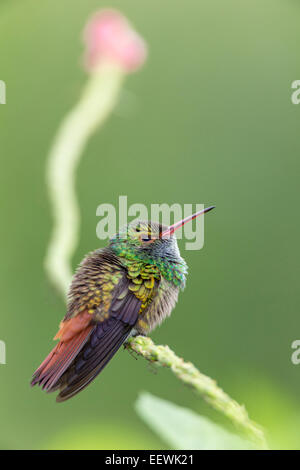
[
  {"x": 98, "y": 99},
  {"x": 201, "y": 384}
]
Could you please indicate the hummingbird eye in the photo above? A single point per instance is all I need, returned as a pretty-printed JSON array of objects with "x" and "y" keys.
[{"x": 146, "y": 237}]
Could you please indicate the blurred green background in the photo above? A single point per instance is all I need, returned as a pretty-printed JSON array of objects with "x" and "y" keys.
[{"x": 212, "y": 123}]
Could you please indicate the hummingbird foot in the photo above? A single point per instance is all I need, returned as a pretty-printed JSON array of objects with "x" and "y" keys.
[
  {"x": 131, "y": 352},
  {"x": 134, "y": 332}
]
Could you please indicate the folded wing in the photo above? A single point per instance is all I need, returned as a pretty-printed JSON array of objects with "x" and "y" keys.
[{"x": 87, "y": 343}]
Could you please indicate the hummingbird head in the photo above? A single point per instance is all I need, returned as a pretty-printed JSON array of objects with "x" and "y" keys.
[
  {"x": 150, "y": 241},
  {"x": 143, "y": 240}
]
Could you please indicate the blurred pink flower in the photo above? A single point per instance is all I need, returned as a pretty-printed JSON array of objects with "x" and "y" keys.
[{"x": 109, "y": 36}]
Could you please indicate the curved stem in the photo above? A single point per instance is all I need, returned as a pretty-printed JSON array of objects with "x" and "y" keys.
[
  {"x": 98, "y": 99},
  {"x": 206, "y": 387}
]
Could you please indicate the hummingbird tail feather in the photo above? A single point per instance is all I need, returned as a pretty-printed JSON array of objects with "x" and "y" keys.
[
  {"x": 59, "y": 359},
  {"x": 103, "y": 343}
]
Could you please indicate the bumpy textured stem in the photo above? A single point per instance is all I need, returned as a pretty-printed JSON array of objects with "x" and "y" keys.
[
  {"x": 98, "y": 99},
  {"x": 200, "y": 383}
]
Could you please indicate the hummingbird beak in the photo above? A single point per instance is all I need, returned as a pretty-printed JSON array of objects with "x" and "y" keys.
[{"x": 170, "y": 230}]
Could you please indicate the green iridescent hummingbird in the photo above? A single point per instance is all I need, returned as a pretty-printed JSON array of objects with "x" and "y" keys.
[{"x": 125, "y": 289}]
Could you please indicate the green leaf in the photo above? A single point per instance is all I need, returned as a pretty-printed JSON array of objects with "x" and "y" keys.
[{"x": 182, "y": 428}]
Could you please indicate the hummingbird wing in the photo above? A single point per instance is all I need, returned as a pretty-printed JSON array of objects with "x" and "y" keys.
[
  {"x": 104, "y": 341},
  {"x": 105, "y": 301}
]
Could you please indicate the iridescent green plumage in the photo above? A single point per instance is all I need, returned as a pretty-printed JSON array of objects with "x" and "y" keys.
[{"x": 162, "y": 254}]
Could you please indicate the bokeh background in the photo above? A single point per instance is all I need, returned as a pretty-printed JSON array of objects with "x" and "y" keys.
[{"x": 209, "y": 120}]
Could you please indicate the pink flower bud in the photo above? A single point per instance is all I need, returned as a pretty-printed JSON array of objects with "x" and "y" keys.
[{"x": 109, "y": 36}]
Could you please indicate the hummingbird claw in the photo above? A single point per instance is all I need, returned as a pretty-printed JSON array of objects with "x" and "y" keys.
[{"x": 131, "y": 352}]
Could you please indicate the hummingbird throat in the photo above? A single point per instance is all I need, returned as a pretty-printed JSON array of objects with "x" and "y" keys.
[{"x": 169, "y": 263}]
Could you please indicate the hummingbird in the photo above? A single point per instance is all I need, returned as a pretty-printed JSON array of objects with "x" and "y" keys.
[{"x": 122, "y": 290}]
